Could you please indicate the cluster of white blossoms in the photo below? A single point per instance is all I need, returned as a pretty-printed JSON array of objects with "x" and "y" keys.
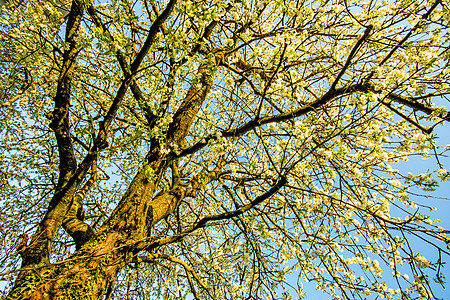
[{"x": 324, "y": 94}]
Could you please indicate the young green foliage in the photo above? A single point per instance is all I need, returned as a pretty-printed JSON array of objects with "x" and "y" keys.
[{"x": 221, "y": 149}]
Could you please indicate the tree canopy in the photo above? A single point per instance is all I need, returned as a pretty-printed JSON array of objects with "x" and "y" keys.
[{"x": 220, "y": 149}]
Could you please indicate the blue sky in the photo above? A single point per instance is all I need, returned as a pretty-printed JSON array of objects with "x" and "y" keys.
[{"x": 439, "y": 199}]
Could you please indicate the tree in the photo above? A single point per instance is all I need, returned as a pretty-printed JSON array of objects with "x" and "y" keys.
[{"x": 161, "y": 149}]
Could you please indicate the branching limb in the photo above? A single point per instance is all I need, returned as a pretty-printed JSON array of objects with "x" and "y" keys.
[
  {"x": 197, "y": 93},
  {"x": 74, "y": 223},
  {"x": 407, "y": 101},
  {"x": 154, "y": 29},
  {"x": 146, "y": 245},
  {"x": 255, "y": 123},
  {"x": 60, "y": 116},
  {"x": 124, "y": 65},
  {"x": 165, "y": 204},
  {"x": 39, "y": 249},
  {"x": 426, "y": 130},
  {"x": 327, "y": 97},
  {"x": 100, "y": 141}
]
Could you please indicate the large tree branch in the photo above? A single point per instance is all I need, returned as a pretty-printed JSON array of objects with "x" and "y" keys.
[
  {"x": 135, "y": 89},
  {"x": 360, "y": 87},
  {"x": 426, "y": 130},
  {"x": 197, "y": 93},
  {"x": 154, "y": 29},
  {"x": 135, "y": 203},
  {"x": 147, "y": 245},
  {"x": 39, "y": 249},
  {"x": 60, "y": 115},
  {"x": 166, "y": 203},
  {"x": 101, "y": 139},
  {"x": 73, "y": 222},
  {"x": 407, "y": 101},
  {"x": 258, "y": 122}
]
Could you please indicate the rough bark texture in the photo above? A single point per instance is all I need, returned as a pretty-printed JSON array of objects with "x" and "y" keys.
[
  {"x": 89, "y": 272},
  {"x": 38, "y": 252},
  {"x": 101, "y": 255}
]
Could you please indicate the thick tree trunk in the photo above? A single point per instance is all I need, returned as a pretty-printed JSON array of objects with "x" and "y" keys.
[{"x": 88, "y": 273}]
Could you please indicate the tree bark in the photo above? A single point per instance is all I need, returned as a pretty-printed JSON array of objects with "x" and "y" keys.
[{"x": 89, "y": 272}]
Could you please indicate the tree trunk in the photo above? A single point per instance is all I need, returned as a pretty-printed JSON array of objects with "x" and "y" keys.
[{"x": 89, "y": 272}]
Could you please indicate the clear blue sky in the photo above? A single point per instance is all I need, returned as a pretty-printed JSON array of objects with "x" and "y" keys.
[{"x": 441, "y": 202}]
